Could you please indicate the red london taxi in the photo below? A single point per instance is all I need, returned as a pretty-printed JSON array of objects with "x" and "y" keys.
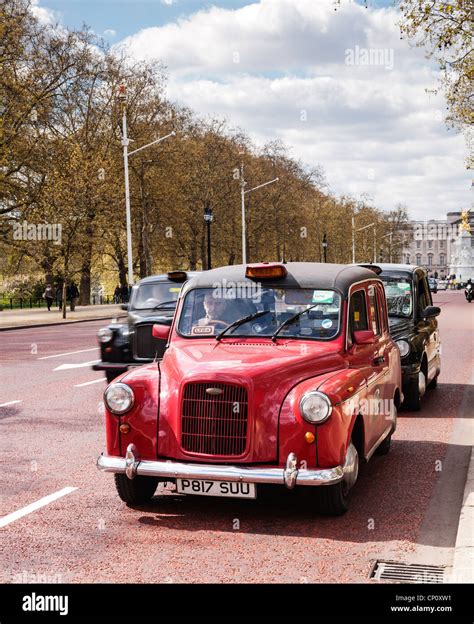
[{"x": 280, "y": 374}]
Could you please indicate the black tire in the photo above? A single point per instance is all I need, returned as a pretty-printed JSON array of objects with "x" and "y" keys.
[
  {"x": 332, "y": 500},
  {"x": 412, "y": 400},
  {"x": 384, "y": 447},
  {"x": 433, "y": 383},
  {"x": 135, "y": 491}
]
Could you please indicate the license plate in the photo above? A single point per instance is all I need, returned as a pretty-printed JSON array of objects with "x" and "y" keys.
[{"x": 230, "y": 489}]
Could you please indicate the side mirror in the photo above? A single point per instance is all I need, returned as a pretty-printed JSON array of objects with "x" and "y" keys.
[
  {"x": 162, "y": 332},
  {"x": 430, "y": 312},
  {"x": 124, "y": 306},
  {"x": 364, "y": 337}
]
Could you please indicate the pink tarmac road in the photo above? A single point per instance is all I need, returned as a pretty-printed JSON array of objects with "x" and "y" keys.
[{"x": 404, "y": 507}]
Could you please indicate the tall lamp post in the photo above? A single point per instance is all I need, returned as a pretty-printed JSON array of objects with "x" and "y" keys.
[
  {"x": 243, "y": 193},
  {"x": 389, "y": 236},
  {"x": 325, "y": 247},
  {"x": 122, "y": 96},
  {"x": 208, "y": 218},
  {"x": 354, "y": 230}
]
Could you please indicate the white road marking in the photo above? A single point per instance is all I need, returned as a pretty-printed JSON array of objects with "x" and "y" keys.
[
  {"x": 34, "y": 506},
  {"x": 9, "y": 403},
  {"x": 47, "y": 357},
  {"x": 88, "y": 383},
  {"x": 69, "y": 366}
]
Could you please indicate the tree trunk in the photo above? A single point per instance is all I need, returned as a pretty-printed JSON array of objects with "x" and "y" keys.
[{"x": 85, "y": 285}]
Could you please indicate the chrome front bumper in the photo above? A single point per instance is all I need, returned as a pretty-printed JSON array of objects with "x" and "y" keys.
[{"x": 132, "y": 465}]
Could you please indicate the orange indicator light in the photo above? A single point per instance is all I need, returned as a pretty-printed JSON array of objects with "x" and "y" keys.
[{"x": 309, "y": 437}]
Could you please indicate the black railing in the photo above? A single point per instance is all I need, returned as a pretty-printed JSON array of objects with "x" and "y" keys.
[{"x": 20, "y": 303}]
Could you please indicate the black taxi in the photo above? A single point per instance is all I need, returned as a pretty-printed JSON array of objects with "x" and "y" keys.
[
  {"x": 414, "y": 327},
  {"x": 152, "y": 300}
]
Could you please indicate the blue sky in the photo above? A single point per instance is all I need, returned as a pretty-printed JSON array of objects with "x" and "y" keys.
[
  {"x": 126, "y": 17},
  {"x": 340, "y": 88}
]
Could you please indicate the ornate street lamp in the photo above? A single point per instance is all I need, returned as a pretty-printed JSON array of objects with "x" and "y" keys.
[{"x": 208, "y": 218}]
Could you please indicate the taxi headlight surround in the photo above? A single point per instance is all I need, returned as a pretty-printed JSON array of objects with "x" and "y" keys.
[
  {"x": 315, "y": 407},
  {"x": 403, "y": 347},
  {"x": 105, "y": 334},
  {"x": 119, "y": 398}
]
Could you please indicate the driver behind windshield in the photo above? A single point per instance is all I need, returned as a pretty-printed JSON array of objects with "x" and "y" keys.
[{"x": 217, "y": 309}]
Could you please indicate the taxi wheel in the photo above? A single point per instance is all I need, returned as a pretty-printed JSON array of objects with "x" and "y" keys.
[
  {"x": 137, "y": 490},
  {"x": 433, "y": 383},
  {"x": 384, "y": 447},
  {"x": 413, "y": 394},
  {"x": 332, "y": 500}
]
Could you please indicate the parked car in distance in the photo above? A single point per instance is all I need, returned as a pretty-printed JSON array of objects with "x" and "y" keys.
[
  {"x": 277, "y": 374},
  {"x": 433, "y": 284},
  {"x": 442, "y": 284},
  {"x": 414, "y": 327},
  {"x": 123, "y": 345}
]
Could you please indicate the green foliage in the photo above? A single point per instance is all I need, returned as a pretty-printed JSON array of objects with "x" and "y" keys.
[{"x": 62, "y": 164}]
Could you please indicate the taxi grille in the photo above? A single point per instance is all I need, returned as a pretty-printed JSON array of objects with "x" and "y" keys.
[
  {"x": 214, "y": 424},
  {"x": 145, "y": 346}
]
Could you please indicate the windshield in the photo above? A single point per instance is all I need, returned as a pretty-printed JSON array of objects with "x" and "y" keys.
[
  {"x": 399, "y": 296},
  {"x": 207, "y": 313},
  {"x": 149, "y": 296}
]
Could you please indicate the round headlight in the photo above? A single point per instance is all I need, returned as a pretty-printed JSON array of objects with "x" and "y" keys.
[
  {"x": 315, "y": 407},
  {"x": 105, "y": 334},
  {"x": 119, "y": 398},
  {"x": 403, "y": 347}
]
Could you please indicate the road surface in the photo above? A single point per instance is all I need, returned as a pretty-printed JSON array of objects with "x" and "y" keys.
[{"x": 405, "y": 506}]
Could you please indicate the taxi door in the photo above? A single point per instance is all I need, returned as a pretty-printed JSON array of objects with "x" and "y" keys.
[{"x": 381, "y": 389}]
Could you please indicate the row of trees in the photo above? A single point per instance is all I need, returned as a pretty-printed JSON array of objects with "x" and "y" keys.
[{"x": 61, "y": 163}]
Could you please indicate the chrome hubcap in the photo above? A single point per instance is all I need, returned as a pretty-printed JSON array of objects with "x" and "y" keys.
[
  {"x": 351, "y": 466},
  {"x": 421, "y": 383}
]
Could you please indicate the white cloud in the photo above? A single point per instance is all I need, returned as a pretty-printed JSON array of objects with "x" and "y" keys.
[
  {"x": 43, "y": 14},
  {"x": 110, "y": 32},
  {"x": 269, "y": 65}
]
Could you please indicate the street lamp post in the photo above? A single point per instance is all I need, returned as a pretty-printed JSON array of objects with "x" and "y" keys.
[
  {"x": 122, "y": 95},
  {"x": 359, "y": 230},
  {"x": 389, "y": 236},
  {"x": 208, "y": 218},
  {"x": 325, "y": 247},
  {"x": 243, "y": 193}
]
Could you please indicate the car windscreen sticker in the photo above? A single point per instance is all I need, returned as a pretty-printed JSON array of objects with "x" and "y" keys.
[
  {"x": 356, "y": 316},
  {"x": 403, "y": 286},
  {"x": 323, "y": 296},
  {"x": 327, "y": 323},
  {"x": 175, "y": 289},
  {"x": 202, "y": 330}
]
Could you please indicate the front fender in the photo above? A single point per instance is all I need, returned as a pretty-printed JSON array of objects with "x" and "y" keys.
[
  {"x": 333, "y": 436},
  {"x": 142, "y": 418}
]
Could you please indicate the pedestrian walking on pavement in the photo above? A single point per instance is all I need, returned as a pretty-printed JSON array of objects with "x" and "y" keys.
[
  {"x": 72, "y": 295},
  {"x": 117, "y": 294},
  {"x": 124, "y": 294},
  {"x": 49, "y": 296}
]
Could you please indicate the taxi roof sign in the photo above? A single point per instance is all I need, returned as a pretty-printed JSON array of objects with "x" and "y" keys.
[{"x": 265, "y": 270}]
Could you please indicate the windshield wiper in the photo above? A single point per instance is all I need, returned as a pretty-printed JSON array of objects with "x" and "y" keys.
[
  {"x": 162, "y": 304},
  {"x": 241, "y": 321},
  {"x": 291, "y": 320}
]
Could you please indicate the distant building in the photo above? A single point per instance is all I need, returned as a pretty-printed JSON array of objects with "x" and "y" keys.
[{"x": 429, "y": 246}]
